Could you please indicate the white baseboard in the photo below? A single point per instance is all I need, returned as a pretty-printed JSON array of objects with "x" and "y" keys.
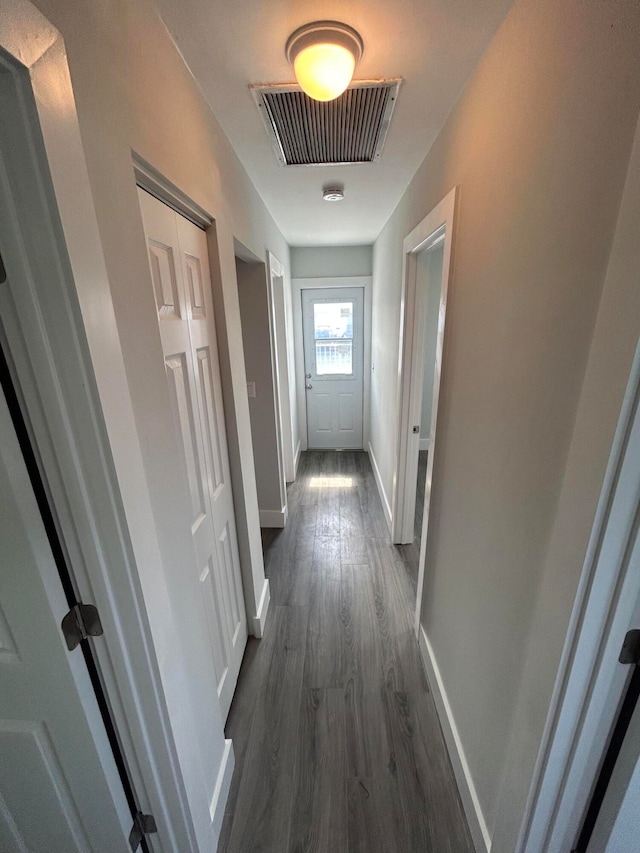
[
  {"x": 296, "y": 459},
  {"x": 424, "y": 444},
  {"x": 257, "y": 623},
  {"x": 468, "y": 795},
  {"x": 386, "y": 506},
  {"x": 274, "y": 517},
  {"x": 221, "y": 791}
]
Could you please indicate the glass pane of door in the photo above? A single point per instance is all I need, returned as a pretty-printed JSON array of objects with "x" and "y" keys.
[
  {"x": 334, "y": 357},
  {"x": 333, "y": 334}
]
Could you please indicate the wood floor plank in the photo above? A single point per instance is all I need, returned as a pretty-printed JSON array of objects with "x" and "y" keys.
[
  {"x": 326, "y": 480},
  {"x": 327, "y": 557},
  {"x": 351, "y": 519},
  {"x": 369, "y": 746},
  {"x": 373, "y": 515},
  {"x": 323, "y": 663},
  {"x": 433, "y": 816},
  {"x": 376, "y": 819},
  {"x": 319, "y": 814},
  {"x": 346, "y": 463},
  {"x": 289, "y": 559},
  {"x": 353, "y": 549},
  {"x": 262, "y": 815},
  {"x": 309, "y": 466},
  {"x": 328, "y": 520},
  {"x": 394, "y": 617}
]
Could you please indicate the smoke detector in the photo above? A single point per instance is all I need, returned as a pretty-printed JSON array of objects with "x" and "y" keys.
[{"x": 333, "y": 193}]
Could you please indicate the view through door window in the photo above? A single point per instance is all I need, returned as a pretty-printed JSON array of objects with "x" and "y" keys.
[{"x": 333, "y": 333}]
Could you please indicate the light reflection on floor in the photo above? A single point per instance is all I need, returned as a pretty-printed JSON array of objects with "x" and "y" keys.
[{"x": 331, "y": 482}]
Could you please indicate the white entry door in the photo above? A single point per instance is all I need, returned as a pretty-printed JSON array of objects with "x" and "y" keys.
[
  {"x": 59, "y": 786},
  {"x": 333, "y": 332},
  {"x": 180, "y": 271}
]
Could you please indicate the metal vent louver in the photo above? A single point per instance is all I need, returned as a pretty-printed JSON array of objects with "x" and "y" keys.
[{"x": 350, "y": 129}]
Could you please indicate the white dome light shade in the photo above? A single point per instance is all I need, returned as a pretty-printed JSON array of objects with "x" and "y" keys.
[
  {"x": 324, "y": 70},
  {"x": 324, "y": 56}
]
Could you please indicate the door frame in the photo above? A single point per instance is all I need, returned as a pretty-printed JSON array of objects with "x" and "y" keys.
[
  {"x": 297, "y": 286},
  {"x": 438, "y": 227},
  {"x": 587, "y": 689},
  {"x": 59, "y": 287},
  {"x": 282, "y": 369}
]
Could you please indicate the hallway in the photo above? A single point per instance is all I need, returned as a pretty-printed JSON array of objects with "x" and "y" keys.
[{"x": 336, "y": 739}]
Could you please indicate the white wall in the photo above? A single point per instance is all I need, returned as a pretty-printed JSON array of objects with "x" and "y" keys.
[
  {"x": 611, "y": 353},
  {"x": 258, "y": 358},
  {"x": 539, "y": 145},
  {"x": 331, "y": 261},
  {"x": 429, "y": 276},
  {"x": 133, "y": 92}
]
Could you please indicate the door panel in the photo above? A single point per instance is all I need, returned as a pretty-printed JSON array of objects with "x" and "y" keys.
[
  {"x": 194, "y": 253},
  {"x": 617, "y": 828},
  {"x": 178, "y": 257},
  {"x": 183, "y": 415},
  {"x": 333, "y": 329},
  {"x": 59, "y": 786},
  {"x": 346, "y": 411}
]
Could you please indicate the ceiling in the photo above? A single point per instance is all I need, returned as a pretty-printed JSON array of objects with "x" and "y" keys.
[{"x": 433, "y": 45}]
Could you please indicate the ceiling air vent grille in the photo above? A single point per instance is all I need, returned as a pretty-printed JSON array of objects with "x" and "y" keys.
[{"x": 350, "y": 129}]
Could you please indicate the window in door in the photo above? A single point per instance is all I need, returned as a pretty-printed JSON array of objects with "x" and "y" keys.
[{"x": 333, "y": 333}]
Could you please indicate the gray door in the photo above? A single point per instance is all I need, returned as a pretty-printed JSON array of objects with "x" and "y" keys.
[{"x": 333, "y": 332}]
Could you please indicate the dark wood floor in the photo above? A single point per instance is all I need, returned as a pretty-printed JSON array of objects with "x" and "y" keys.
[{"x": 335, "y": 733}]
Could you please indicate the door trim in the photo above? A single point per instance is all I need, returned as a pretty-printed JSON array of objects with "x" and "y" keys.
[
  {"x": 586, "y": 692},
  {"x": 297, "y": 286},
  {"x": 281, "y": 353},
  {"x": 155, "y": 183},
  {"x": 52, "y": 366},
  {"x": 438, "y": 225}
]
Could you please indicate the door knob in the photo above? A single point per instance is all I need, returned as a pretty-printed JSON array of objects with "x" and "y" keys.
[
  {"x": 309, "y": 386},
  {"x": 308, "y": 375}
]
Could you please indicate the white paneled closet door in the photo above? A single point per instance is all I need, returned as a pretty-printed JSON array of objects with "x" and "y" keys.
[
  {"x": 180, "y": 271},
  {"x": 59, "y": 785}
]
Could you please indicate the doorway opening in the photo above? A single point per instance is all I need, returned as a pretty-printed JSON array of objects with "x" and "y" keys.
[
  {"x": 429, "y": 285},
  {"x": 262, "y": 387},
  {"x": 283, "y": 364},
  {"x": 427, "y": 253}
]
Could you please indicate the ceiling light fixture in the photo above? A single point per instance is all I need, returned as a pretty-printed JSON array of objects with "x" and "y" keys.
[
  {"x": 335, "y": 192},
  {"x": 324, "y": 56}
]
